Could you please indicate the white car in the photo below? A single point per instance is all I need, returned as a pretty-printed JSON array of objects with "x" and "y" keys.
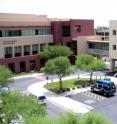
[{"x": 41, "y": 99}]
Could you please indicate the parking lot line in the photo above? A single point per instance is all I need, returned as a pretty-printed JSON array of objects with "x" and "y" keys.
[{"x": 93, "y": 95}]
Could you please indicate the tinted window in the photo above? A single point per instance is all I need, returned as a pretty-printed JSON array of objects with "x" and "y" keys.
[
  {"x": 106, "y": 88},
  {"x": 99, "y": 86},
  {"x": 41, "y": 97}
]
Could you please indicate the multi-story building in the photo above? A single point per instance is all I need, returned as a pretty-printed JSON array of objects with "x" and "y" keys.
[
  {"x": 23, "y": 36},
  {"x": 93, "y": 45},
  {"x": 103, "y": 32},
  {"x": 113, "y": 43}
]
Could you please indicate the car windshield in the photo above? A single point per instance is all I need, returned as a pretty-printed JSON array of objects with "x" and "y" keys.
[
  {"x": 99, "y": 86},
  {"x": 41, "y": 97}
]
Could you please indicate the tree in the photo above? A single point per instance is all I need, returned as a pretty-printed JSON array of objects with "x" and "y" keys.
[
  {"x": 15, "y": 103},
  {"x": 59, "y": 66},
  {"x": 90, "y": 64},
  {"x": 5, "y": 75},
  {"x": 55, "y": 51}
]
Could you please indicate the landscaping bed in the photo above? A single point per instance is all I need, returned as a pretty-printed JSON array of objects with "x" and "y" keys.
[{"x": 68, "y": 85}]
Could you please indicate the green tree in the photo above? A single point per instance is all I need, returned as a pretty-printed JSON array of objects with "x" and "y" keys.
[
  {"x": 5, "y": 75},
  {"x": 55, "y": 51},
  {"x": 90, "y": 64},
  {"x": 59, "y": 66},
  {"x": 16, "y": 103}
]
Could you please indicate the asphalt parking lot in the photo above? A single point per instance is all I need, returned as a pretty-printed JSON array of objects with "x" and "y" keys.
[{"x": 104, "y": 105}]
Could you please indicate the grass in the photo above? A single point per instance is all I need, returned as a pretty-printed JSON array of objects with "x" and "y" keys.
[{"x": 66, "y": 84}]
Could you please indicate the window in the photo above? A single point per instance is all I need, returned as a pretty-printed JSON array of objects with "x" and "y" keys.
[
  {"x": 34, "y": 49},
  {"x": 114, "y": 32},
  {"x": 36, "y": 31},
  {"x": 26, "y": 50},
  {"x": 8, "y": 52},
  {"x": 78, "y": 28},
  {"x": 42, "y": 47},
  {"x": 66, "y": 31},
  {"x": 106, "y": 33},
  {"x": 28, "y": 32},
  {"x": 114, "y": 47},
  {"x": 11, "y": 33},
  {"x": 17, "y": 51},
  {"x": 43, "y": 31},
  {"x": 91, "y": 45}
]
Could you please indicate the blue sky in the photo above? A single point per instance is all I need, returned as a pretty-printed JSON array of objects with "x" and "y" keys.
[{"x": 100, "y": 10}]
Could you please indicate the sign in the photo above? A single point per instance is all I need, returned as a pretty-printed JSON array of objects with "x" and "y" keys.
[{"x": 9, "y": 42}]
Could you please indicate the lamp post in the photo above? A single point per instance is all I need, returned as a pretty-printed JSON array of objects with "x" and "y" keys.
[{"x": 47, "y": 80}]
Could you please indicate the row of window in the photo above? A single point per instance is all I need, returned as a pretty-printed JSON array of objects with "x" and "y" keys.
[
  {"x": 8, "y": 51},
  {"x": 102, "y": 46},
  {"x": 102, "y": 33},
  {"x": 26, "y": 32}
]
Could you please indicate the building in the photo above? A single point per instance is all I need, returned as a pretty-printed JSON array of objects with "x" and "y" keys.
[
  {"x": 23, "y": 36},
  {"x": 92, "y": 45},
  {"x": 103, "y": 32},
  {"x": 113, "y": 43}
]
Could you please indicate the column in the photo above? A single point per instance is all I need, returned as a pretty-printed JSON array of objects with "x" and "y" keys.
[
  {"x": 112, "y": 65},
  {"x": 22, "y": 50}
]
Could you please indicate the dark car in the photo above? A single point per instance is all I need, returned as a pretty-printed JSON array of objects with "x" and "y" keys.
[{"x": 104, "y": 87}]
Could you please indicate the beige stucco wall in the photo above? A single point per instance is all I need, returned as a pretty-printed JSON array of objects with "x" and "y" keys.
[
  {"x": 113, "y": 39},
  {"x": 23, "y": 40},
  {"x": 82, "y": 45}
]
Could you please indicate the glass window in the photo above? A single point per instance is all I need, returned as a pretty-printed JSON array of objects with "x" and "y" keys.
[
  {"x": 17, "y": 49},
  {"x": 99, "y": 86},
  {"x": 114, "y": 47},
  {"x": 106, "y": 87},
  {"x": 11, "y": 33},
  {"x": 42, "y": 47},
  {"x": 34, "y": 48},
  {"x": 8, "y": 52},
  {"x": 26, "y": 50},
  {"x": 114, "y": 32},
  {"x": 28, "y": 32},
  {"x": 66, "y": 31}
]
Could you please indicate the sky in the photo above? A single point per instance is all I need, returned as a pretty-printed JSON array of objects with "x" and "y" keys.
[{"x": 100, "y": 10}]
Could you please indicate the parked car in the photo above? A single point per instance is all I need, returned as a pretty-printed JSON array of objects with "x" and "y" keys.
[
  {"x": 4, "y": 88},
  {"x": 41, "y": 99},
  {"x": 104, "y": 87}
]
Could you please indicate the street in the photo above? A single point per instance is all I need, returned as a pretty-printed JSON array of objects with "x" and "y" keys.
[{"x": 23, "y": 83}]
